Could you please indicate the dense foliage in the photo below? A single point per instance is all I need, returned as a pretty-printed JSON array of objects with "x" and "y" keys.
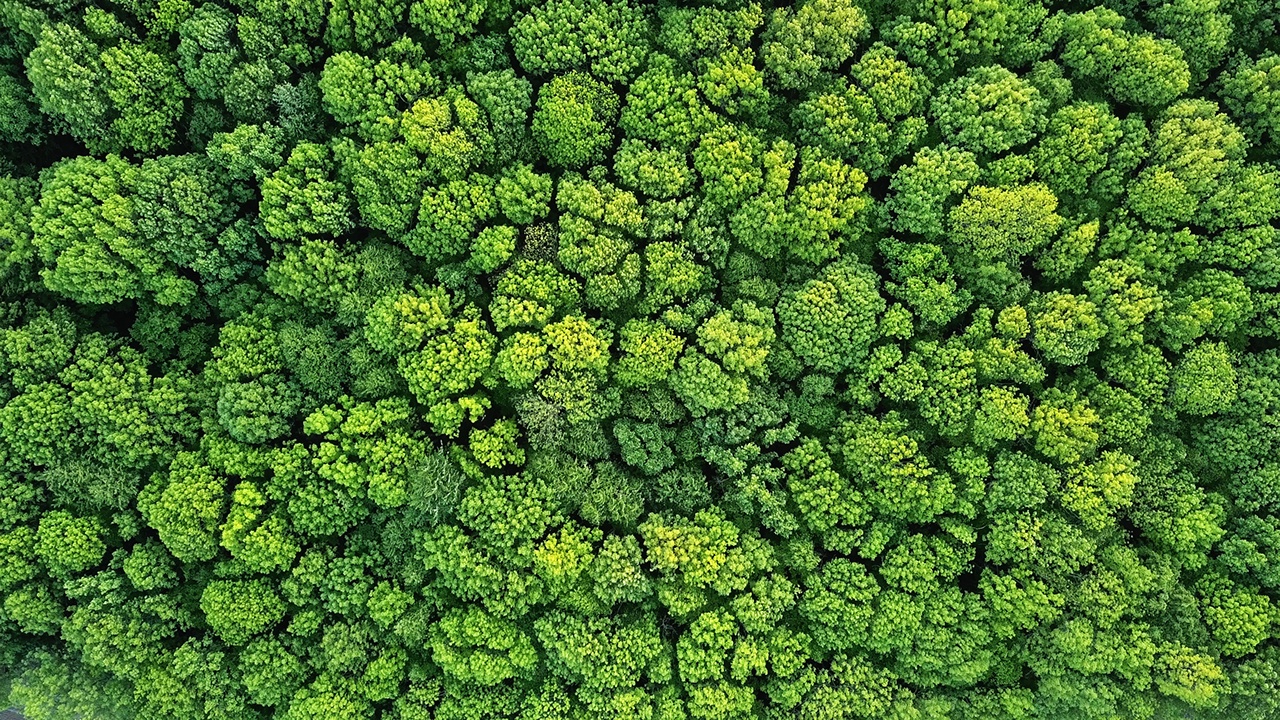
[{"x": 603, "y": 359}]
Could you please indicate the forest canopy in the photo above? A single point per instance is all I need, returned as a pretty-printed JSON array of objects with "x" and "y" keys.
[{"x": 624, "y": 360}]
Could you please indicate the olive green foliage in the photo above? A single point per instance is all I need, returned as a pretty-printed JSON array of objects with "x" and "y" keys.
[{"x": 626, "y": 360}]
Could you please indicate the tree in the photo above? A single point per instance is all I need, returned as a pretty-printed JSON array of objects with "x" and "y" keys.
[
  {"x": 180, "y": 209},
  {"x": 897, "y": 480},
  {"x": 829, "y": 505},
  {"x": 823, "y": 209},
  {"x": 1065, "y": 327},
  {"x": 1200, "y": 29},
  {"x": 85, "y": 231},
  {"x": 456, "y": 360},
  {"x": 113, "y": 98},
  {"x": 830, "y": 322},
  {"x": 1194, "y": 145},
  {"x": 387, "y": 183},
  {"x": 1065, "y": 427},
  {"x": 693, "y": 556},
  {"x": 524, "y": 195},
  {"x": 597, "y": 224},
  {"x": 68, "y": 544},
  {"x": 1135, "y": 68},
  {"x": 1075, "y": 146},
  {"x": 732, "y": 345},
  {"x": 437, "y": 356},
  {"x": 270, "y": 672},
  {"x": 362, "y": 26},
  {"x": 923, "y": 189},
  {"x": 1205, "y": 380},
  {"x": 989, "y": 110},
  {"x": 531, "y": 293},
  {"x": 112, "y": 421},
  {"x": 239, "y": 609},
  {"x": 1251, "y": 95},
  {"x": 649, "y": 352},
  {"x": 663, "y": 105},
  {"x": 370, "y": 94},
  {"x": 574, "y": 119},
  {"x": 817, "y": 36},
  {"x": 659, "y": 173},
  {"x": 185, "y": 507},
  {"x": 477, "y": 647},
  {"x": 23, "y": 122},
  {"x": 302, "y": 198},
  {"x": 506, "y": 99},
  {"x": 448, "y": 216},
  {"x": 608, "y": 36},
  {"x": 256, "y": 397},
  {"x": 993, "y": 225},
  {"x": 449, "y": 132}
]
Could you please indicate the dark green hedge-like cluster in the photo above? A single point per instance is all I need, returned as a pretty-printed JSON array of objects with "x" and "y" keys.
[{"x": 618, "y": 360}]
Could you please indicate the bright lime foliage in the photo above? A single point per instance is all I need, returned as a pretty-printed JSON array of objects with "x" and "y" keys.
[
  {"x": 1205, "y": 381},
  {"x": 830, "y": 321},
  {"x": 989, "y": 110},
  {"x": 574, "y": 120},
  {"x": 627, "y": 360},
  {"x": 69, "y": 544},
  {"x": 238, "y": 610}
]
